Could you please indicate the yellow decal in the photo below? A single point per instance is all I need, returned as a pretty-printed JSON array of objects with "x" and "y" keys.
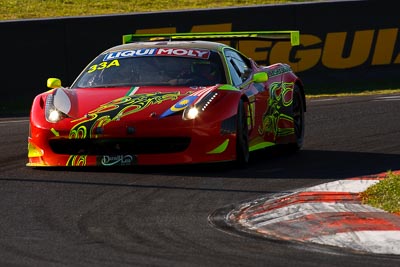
[
  {"x": 180, "y": 105},
  {"x": 103, "y": 65},
  {"x": 77, "y": 160},
  {"x": 34, "y": 151},
  {"x": 251, "y": 111},
  {"x": 55, "y": 132},
  {"x": 85, "y": 127}
]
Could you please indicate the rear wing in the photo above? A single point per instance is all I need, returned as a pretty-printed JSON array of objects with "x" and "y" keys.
[{"x": 292, "y": 36}]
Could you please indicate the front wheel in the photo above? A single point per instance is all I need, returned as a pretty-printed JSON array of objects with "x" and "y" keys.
[{"x": 242, "y": 137}]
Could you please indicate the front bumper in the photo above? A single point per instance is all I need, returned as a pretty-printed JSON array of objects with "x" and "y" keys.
[{"x": 154, "y": 146}]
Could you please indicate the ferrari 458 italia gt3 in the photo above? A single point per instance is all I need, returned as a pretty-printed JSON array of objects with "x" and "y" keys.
[{"x": 169, "y": 99}]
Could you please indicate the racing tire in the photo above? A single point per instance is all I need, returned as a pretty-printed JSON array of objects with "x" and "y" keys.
[
  {"x": 242, "y": 137},
  {"x": 298, "y": 109}
]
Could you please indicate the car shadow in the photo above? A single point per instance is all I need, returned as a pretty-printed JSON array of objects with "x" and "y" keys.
[
  {"x": 304, "y": 164},
  {"x": 273, "y": 163}
]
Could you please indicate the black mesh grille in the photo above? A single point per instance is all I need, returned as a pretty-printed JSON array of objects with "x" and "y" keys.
[
  {"x": 228, "y": 126},
  {"x": 119, "y": 146}
]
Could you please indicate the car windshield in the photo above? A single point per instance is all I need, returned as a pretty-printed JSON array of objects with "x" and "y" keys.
[{"x": 130, "y": 68}]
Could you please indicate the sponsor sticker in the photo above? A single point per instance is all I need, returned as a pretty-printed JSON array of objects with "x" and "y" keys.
[
  {"x": 182, "y": 52},
  {"x": 118, "y": 160},
  {"x": 130, "y": 53},
  {"x": 179, "y": 52}
]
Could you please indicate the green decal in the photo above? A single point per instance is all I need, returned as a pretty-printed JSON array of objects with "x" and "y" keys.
[
  {"x": 219, "y": 149},
  {"x": 261, "y": 146},
  {"x": 228, "y": 88},
  {"x": 281, "y": 97}
]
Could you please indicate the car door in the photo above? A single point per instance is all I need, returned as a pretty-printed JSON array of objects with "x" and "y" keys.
[{"x": 241, "y": 71}]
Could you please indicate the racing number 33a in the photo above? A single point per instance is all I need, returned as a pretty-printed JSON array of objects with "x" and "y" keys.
[{"x": 103, "y": 65}]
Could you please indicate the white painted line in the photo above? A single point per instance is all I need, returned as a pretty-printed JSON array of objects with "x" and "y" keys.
[
  {"x": 380, "y": 242},
  {"x": 322, "y": 100},
  {"x": 297, "y": 211},
  {"x": 387, "y": 98},
  {"x": 13, "y": 121},
  {"x": 350, "y": 186}
]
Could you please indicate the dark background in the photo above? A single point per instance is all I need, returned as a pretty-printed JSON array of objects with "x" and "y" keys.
[{"x": 34, "y": 50}]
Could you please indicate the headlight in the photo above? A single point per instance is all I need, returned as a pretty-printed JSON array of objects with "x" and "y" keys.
[
  {"x": 191, "y": 113},
  {"x": 191, "y": 106},
  {"x": 52, "y": 114}
]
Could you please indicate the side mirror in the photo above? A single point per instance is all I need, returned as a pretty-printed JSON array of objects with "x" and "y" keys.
[
  {"x": 53, "y": 83},
  {"x": 260, "y": 77}
]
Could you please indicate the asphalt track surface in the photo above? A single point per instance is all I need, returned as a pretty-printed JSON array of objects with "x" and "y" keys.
[{"x": 160, "y": 216}]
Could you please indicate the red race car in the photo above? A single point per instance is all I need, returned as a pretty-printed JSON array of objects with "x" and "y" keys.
[{"x": 169, "y": 99}]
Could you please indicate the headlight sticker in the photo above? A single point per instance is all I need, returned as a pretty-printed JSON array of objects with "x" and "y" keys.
[{"x": 180, "y": 105}]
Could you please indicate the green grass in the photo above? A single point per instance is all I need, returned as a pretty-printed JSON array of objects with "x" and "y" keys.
[
  {"x": 359, "y": 93},
  {"x": 27, "y": 9},
  {"x": 385, "y": 194}
]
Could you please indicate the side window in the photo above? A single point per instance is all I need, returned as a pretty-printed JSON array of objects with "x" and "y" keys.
[{"x": 239, "y": 66}]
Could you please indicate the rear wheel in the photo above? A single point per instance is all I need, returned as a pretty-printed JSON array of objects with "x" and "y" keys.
[
  {"x": 298, "y": 118},
  {"x": 242, "y": 137}
]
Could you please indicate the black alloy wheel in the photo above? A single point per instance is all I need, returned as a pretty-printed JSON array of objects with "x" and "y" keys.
[{"x": 298, "y": 107}]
